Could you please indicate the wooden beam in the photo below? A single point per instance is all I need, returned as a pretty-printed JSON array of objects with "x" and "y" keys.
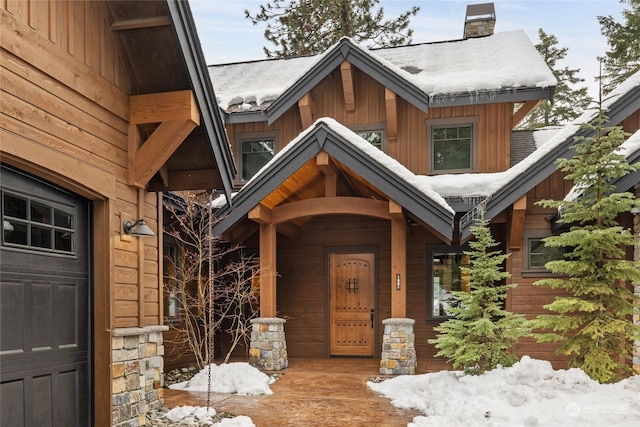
[
  {"x": 267, "y": 270},
  {"x": 517, "y": 223},
  {"x": 177, "y": 113},
  {"x": 164, "y": 107},
  {"x": 330, "y": 171},
  {"x": 392, "y": 115},
  {"x": 134, "y": 24},
  {"x": 330, "y": 206},
  {"x": 346, "y": 72},
  {"x": 307, "y": 110},
  {"x": 524, "y": 109},
  {"x": 398, "y": 268},
  {"x": 186, "y": 180},
  {"x": 289, "y": 230},
  {"x": 261, "y": 214},
  {"x": 156, "y": 150},
  {"x": 140, "y": 254},
  {"x": 395, "y": 210}
]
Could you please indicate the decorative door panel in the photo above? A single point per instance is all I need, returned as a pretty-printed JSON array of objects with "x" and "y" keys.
[{"x": 351, "y": 304}]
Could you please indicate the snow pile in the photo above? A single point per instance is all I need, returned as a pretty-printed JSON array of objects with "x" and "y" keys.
[
  {"x": 530, "y": 393},
  {"x": 204, "y": 416},
  {"x": 229, "y": 378}
]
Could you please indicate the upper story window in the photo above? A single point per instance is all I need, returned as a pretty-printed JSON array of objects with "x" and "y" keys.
[
  {"x": 373, "y": 132},
  {"x": 37, "y": 224},
  {"x": 375, "y": 137},
  {"x": 452, "y": 145},
  {"x": 255, "y": 152}
]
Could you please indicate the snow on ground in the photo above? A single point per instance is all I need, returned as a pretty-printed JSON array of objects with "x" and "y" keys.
[
  {"x": 229, "y": 378},
  {"x": 530, "y": 393}
]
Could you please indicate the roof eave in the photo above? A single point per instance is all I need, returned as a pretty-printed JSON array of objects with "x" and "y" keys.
[
  {"x": 620, "y": 109},
  {"x": 346, "y": 50},
  {"x": 491, "y": 96},
  {"x": 185, "y": 29}
]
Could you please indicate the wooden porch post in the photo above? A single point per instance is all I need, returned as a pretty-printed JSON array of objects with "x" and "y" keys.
[
  {"x": 398, "y": 261},
  {"x": 267, "y": 270}
]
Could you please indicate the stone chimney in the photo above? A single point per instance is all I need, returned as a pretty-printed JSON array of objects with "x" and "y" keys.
[{"x": 480, "y": 20}]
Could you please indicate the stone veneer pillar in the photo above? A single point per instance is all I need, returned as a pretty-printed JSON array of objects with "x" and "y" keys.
[
  {"x": 137, "y": 374},
  {"x": 398, "y": 347},
  {"x": 268, "y": 349}
]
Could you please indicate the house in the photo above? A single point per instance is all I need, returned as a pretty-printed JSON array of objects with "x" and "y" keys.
[
  {"x": 104, "y": 105},
  {"x": 361, "y": 172}
]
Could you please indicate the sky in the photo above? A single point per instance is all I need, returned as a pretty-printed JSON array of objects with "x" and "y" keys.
[
  {"x": 227, "y": 36},
  {"x": 530, "y": 393}
]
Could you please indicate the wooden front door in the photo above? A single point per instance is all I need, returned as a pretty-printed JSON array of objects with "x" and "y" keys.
[{"x": 351, "y": 304}]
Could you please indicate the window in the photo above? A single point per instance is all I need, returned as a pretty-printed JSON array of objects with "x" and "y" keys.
[
  {"x": 375, "y": 133},
  {"x": 536, "y": 254},
  {"x": 374, "y": 137},
  {"x": 446, "y": 277},
  {"x": 170, "y": 267},
  {"x": 255, "y": 153},
  {"x": 452, "y": 145},
  {"x": 37, "y": 225}
]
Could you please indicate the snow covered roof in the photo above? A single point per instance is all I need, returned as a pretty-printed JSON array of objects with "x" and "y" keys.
[
  {"x": 504, "y": 66},
  {"x": 359, "y": 156}
]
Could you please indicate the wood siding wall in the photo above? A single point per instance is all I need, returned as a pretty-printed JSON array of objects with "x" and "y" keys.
[
  {"x": 65, "y": 113},
  {"x": 493, "y": 129}
]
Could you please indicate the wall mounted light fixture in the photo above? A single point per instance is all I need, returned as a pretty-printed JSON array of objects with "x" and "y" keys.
[{"x": 137, "y": 228}]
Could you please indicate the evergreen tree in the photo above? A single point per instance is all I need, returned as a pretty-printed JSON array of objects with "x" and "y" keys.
[
  {"x": 309, "y": 27},
  {"x": 623, "y": 58},
  {"x": 568, "y": 103},
  {"x": 594, "y": 321},
  {"x": 479, "y": 335}
]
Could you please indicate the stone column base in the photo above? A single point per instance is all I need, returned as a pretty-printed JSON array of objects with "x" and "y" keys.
[
  {"x": 268, "y": 349},
  {"x": 137, "y": 373},
  {"x": 398, "y": 347}
]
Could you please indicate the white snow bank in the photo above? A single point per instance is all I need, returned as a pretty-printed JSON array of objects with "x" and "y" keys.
[
  {"x": 530, "y": 393},
  {"x": 230, "y": 378}
]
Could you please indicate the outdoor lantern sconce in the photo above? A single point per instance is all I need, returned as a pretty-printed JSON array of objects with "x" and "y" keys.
[
  {"x": 137, "y": 228},
  {"x": 397, "y": 282}
]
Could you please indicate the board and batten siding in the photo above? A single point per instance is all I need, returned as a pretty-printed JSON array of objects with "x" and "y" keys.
[
  {"x": 493, "y": 128},
  {"x": 65, "y": 113}
]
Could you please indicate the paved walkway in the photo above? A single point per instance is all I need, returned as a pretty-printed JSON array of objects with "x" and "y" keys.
[{"x": 312, "y": 392}]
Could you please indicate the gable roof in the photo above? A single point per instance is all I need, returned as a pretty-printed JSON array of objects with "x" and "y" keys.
[
  {"x": 356, "y": 154},
  {"x": 504, "y": 188},
  {"x": 503, "y": 67},
  {"x": 163, "y": 54}
]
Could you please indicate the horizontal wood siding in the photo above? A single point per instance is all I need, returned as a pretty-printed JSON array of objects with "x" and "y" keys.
[{"x": 64, "y": 92}]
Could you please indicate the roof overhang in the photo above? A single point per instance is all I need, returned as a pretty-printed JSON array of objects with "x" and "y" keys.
[
  {"x": 163, "y": 54},
  {"x": 621, "y": 107}
]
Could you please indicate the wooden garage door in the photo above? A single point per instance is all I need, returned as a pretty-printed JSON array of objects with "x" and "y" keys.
[{"x": 44, "y": 300}]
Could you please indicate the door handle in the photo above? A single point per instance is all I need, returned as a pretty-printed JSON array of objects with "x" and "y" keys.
[{"x": 373, "y": 316}]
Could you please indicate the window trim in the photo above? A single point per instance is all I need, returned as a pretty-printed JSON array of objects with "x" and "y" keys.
[
  {"x": 242, "y": 137},
  {"x": 373, "y": 127},
  {"x": 527, "y": 270},
  {"x": 453, "y": 122}
]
